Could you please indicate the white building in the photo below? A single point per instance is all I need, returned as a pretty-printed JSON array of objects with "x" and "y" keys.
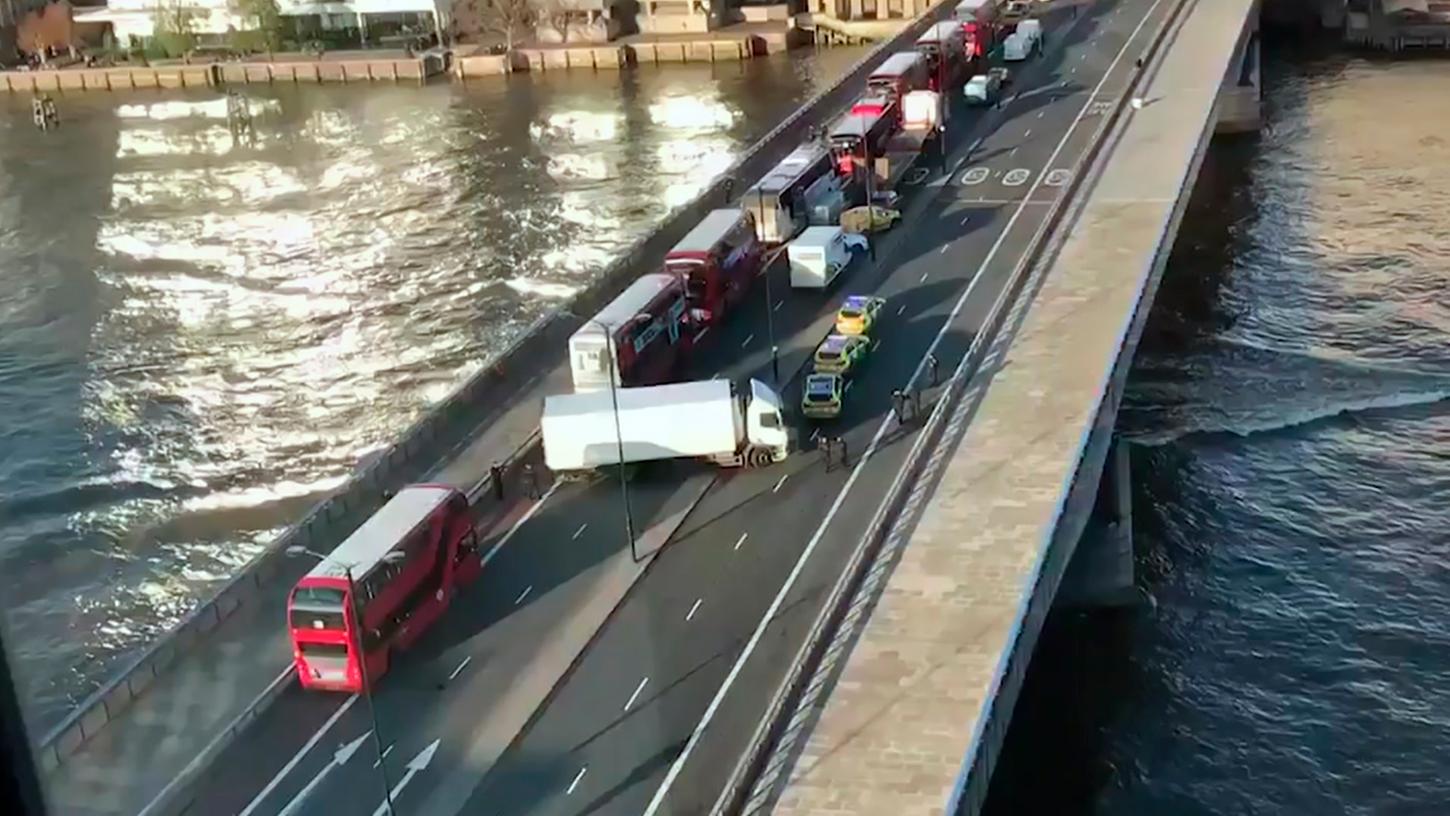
[{"x": 136, "y": 18}]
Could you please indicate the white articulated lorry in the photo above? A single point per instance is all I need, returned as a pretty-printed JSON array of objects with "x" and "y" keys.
[{"x": 709, "y": 419}]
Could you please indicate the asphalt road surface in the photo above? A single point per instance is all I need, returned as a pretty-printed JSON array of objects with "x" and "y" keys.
[{"x": 688, "y": 639}]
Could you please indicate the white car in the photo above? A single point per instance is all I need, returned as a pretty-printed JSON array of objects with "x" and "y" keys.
[{"x": 982, "y": 89}]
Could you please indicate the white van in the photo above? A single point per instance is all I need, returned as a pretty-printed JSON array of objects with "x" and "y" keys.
[
  {"x": 1018, "y": 47},
  {"x": 817, "y": 256}
]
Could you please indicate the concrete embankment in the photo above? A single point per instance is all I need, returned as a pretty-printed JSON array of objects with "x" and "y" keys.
[{"x": 461, "y": 415}]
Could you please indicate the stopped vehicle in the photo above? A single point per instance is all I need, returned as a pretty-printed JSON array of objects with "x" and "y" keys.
[
  {"x": 381, "y": 589},
  {"x": 640, "y": 338}
]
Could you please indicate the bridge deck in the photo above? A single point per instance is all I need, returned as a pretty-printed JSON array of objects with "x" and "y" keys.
[{"x": 906, "y": 718}]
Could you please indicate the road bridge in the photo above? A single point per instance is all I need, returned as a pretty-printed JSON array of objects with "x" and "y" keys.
[
  {"x": 576, "y": 677},
  {"x": 902, "y": 704}
]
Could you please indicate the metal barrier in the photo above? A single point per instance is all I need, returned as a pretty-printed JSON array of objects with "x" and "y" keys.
[
  {"x": 739, "y": 795},
  {"x": 536, "y": 350}
]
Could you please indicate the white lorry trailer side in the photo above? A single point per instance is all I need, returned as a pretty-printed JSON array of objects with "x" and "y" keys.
[{"x": 708, "y": 419}]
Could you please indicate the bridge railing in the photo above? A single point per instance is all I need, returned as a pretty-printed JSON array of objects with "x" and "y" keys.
[{"x": 445, "y": 425}]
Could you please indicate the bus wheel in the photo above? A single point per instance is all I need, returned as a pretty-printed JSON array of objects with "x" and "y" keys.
[{"x": 757, "y": 457}]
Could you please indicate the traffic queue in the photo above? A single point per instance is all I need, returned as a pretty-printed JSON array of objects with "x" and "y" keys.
[{"x": 820, "y": 207}]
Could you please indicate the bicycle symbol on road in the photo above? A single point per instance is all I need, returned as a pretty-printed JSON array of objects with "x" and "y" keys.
[
  {"x": 1058, "y": 177},
  {"x": 1016, "y": 178},
  {"x": 917, "y": 176},
  {"x": 1101, "y": 107},
  {"x": 975, "y": 175}
]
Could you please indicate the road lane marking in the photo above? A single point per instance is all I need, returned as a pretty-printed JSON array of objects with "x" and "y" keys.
[
  {"x": 776, "y": 603},
  {"x": 459, "y": 670},
  {"x": 743, "y": 536},
  {"x": 1027, "y": 134},
  {"x": 696, "y": 606},
  {"x": 488, "y": 556},
  {"x": 575, "y": 783},
  {"x": 976, "y": 143},
  {"x": 965, "y": 219},
  {"x": 1039, "y": 114},
  {"x": 580, "y": 531},
  {"x": 386, "y": 751},
  {"x": 974, "y": 175},
  {"x": 1012, "y": 152},
  {"x": 1017, "y": 177},
  {"x": 415, "y": 766},
  {"x": 923, "y": 277},
  {"x": 339, "y": 759},
  {"x": 747, "y": 341},
  {"x": 783, "y": 478},
  {"x": 848, "y": 388},
  {"x": 635, "y": 696},
  {"x": 942, "y": 251},
  {"x": 292, "y": 763},
  {"x": 901, "y": 308},
  {"x": 778, "y": 305},
  {"x": 1058, "y": 177},
  {"x": 524, "y": 594}
]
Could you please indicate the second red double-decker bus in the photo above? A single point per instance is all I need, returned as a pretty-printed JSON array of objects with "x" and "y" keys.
[
  {"x": 644, "y": 331},
  {"x": 391, "y": 599},
  {"x": 718, "y": 260}
]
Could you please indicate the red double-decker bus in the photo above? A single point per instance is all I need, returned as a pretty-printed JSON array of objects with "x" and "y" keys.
[
  {"x": 397, "y": 597},
  {"x": 718, "y": 260},
  {"x": 644, "y": 330}
]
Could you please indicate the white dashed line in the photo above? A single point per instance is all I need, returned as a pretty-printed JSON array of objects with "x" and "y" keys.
[
  {"x": 747, "y": 341},
  {"x": 524, "y": 594},
  {"x": 778, "y": 305},
  {"x": 923, "y": 277},
  {"x": 580, "y": 531},
  {"x": 901, "y": 309},
  {"x": 461, "y": 667},
  {"x": 635, "y": 696},
  {"x": 386, "y": 751},
  {"x": 943, "y": 249},
  {"x": 693, "y": 609},
  {"x": 965, "y": 219},
  {"x": 783, "y": 478},
  {"x": 741, "y": 540},
  {"x": 575, "y": 783},
  {"x": 1028, "y": 134}
]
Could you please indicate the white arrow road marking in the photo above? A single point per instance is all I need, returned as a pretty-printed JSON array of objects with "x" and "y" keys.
[
  {"x": 339, "y": 759},
  {"x": 415, "y": 766},
  {"x": 292, "y": 763}
]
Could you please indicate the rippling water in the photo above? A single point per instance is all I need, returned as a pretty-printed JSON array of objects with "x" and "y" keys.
[
  {"x": 200, "y": 335},
  {"x": 1290, "y": 406}
]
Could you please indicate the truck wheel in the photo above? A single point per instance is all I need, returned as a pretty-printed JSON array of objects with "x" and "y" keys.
[{"x": 757, "y": 457}]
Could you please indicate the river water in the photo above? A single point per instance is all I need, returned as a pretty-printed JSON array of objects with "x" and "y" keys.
[
  {"x": 200, "y": 335},
  {"x": 1288, "y": 409}
]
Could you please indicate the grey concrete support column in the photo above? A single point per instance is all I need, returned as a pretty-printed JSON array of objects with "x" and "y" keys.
[
  {"x": 1239, "y": 107},
  {"x": 1101, "y": 571}
]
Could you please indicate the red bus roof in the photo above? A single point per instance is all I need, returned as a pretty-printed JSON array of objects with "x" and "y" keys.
[
  {"x": 710, "y": 231},
  {"x": 384, "y": 532}
]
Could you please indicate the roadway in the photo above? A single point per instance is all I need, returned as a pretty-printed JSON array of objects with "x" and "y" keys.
[{"x": 467, "y": 709}]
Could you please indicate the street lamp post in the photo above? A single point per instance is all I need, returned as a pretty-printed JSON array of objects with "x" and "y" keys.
[
  {"x": 870, "y": 196},
  {"x": 362, "y": 663},
  {"x": 770, "y": 331},
  {"x": 618, "y": 438}
]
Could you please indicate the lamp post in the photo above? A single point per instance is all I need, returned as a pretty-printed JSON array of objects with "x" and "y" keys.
[
  {"x": 870, "y": 196},
  {"x": 362, "y": 663},
  {"x": 770, "y": 331},
  {"x": 618, "y": 437}
]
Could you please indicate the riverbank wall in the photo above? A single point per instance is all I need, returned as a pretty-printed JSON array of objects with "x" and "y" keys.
[{"x": 451, "y": 422}]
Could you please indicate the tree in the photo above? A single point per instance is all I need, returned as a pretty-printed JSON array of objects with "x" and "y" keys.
[
  {"x": 173, "y": 28},
  {"x": 558, "y": 15},
  {"x": 508, "y": 18},
  {"x": 264, "y": 18}
]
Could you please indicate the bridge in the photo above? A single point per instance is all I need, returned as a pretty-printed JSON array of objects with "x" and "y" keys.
[{"x": 677, "y": 673}]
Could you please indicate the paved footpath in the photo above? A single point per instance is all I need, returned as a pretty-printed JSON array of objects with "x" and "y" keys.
[{"x": 904, "y": 721}]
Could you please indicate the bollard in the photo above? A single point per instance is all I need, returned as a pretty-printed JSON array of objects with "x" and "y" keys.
[{"x": 495, "y": 472}]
